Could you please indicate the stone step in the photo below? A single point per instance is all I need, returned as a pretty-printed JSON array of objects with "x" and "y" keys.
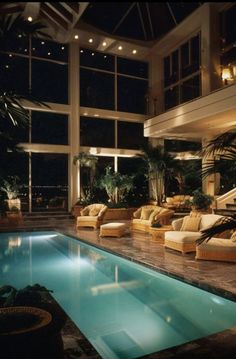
[
  {"x": 225, "y": 212},
  {"x": 45, "y": 216},
  {"x": 231, "y": 206}
]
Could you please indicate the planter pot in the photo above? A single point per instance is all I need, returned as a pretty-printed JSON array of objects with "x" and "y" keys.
[
  {"x": 119, "y": 213},
  {"x": 29, "y": 333},
  {"x": 201, "y": 210},
  {"x": 14, "y": 217}
]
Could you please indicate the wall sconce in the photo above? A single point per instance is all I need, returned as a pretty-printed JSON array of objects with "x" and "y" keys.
[{"x": 226, "y": 75}]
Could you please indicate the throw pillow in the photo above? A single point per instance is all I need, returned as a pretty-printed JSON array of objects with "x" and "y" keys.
[
  {"x": 94, "y": 211},
  {"x": 145, "y": 214},
  {"x": 84, "y": 212},
  {"x": 154, "y": 213},
  {"x": 233, "y": 237},
  {"x": 190, "y": 224}
]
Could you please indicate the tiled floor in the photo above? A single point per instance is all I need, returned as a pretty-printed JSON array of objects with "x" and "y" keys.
[{"x": 217, "y": 277}]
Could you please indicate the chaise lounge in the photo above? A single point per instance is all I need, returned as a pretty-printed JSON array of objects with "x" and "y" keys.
[
  {"x": 218, "y": 249},
  {"x": 187, "y": 230}
]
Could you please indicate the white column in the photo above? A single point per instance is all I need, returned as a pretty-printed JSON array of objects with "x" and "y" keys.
[
  {"x": 210, "y": 184},
  {"x": 74, "y": 121}
]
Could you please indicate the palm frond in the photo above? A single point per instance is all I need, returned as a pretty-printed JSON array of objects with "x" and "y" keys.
[
  {"x": 222, "y": 145},
  {"x": 11, "y": 108},
  {"x": 223, "y": 224}
]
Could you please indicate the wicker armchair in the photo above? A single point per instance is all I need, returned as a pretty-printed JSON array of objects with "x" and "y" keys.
[{"x": 92, "y": 216}]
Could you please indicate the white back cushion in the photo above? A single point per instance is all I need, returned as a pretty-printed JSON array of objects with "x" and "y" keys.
[{"x": 208, "y": 220}]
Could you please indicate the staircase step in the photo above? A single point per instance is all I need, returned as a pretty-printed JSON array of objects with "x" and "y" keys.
[
  {"x": 231, "y": 206},
  {"x": 225, "y": 212}
]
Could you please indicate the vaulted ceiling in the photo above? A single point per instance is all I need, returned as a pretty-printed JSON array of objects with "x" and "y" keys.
[{"x": 143, "y": 21}]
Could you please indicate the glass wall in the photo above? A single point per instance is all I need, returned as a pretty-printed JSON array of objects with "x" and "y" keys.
[
  {"x": 130, "y": 135},
  {"x": 38, "y": 68},
  {"x": 49, "y": 181},
  {"x": 182, "y": 77},
  {"x": 102, "y": 86},
  {"x": 96, "y": 132},
  {"x": 50, "y": 128}
]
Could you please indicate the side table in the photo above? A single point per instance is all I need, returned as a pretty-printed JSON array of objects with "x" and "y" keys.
[{"x": 158, "y": 233}]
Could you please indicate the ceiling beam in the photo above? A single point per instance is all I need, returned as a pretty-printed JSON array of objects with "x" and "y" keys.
[
  {"x": 123, "y": 17},
  {"x": 54, "y": 16},
  {"x": 172, "y": 13},
  {"x": 75, "y": 6},
  {"x": 10, "y": 9},
  {"x": 60, "y": 10},
  {"x": 142, "y": 22}
]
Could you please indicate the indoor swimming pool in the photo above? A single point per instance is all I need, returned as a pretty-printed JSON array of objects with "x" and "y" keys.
[{"x": 124, "y": 309}]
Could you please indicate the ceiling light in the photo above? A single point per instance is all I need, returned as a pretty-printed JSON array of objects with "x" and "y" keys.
[
  {"x": 134, "y": 52},
  {"x": 96, "y": 115},
  {"x": 85, "y": 114},
  {"x": 90, "y": 40},
  {"x": 104, "y": 43},
  {"x": 76, "y": 37},
  {"x": 120, "y": 48},
  {"x": 30, "y": 19}
]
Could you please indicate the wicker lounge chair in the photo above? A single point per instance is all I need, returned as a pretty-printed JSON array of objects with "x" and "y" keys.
[{"x": 92, "y": 216}]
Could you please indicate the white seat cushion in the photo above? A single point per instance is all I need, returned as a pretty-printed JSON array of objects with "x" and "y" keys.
[
  {"x": 87, "y": 218},
  {"x": 182, "y": 236},
  {"x": 114, "y": 225}
]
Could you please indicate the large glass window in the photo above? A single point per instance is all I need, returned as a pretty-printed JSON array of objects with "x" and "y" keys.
[
  {"x": 49, "y": 181},
  {"x": 97, "y": 132},
  {"x": 132, "y": 67},
  {"x": 228, "y": 36},
  {"x": 97, "y": 89},
  {"x": 97, "y": 60},
  {"x": 14, "y": 73},
  {"x": 17, "y": 164},
  {"x": 182, "y": 81},
  {"x": 131, "y": 95},
  {"x": 190, "y": 89},
  {"x": 18, "y": 44},
  {"x": 49, "y": 50},
  {"x": 49, "y": 128},
  {"x": 97, "y": 84},
  {"x": 130, "y": 135},
  {"x": 171, "y": 97},
  {"x": 50, "y": 81},
  {"x": 135, "y": 167}
]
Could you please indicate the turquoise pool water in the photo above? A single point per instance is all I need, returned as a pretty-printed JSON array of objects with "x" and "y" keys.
[{"x": 124, "y": 309}]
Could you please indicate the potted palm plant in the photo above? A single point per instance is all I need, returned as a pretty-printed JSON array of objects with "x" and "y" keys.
[
  {"x": 11, "y": 187},
  {"x": 200, "y": 202}
]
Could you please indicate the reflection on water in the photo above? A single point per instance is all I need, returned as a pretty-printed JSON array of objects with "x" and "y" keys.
[{"x": 124, "y": 309}]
